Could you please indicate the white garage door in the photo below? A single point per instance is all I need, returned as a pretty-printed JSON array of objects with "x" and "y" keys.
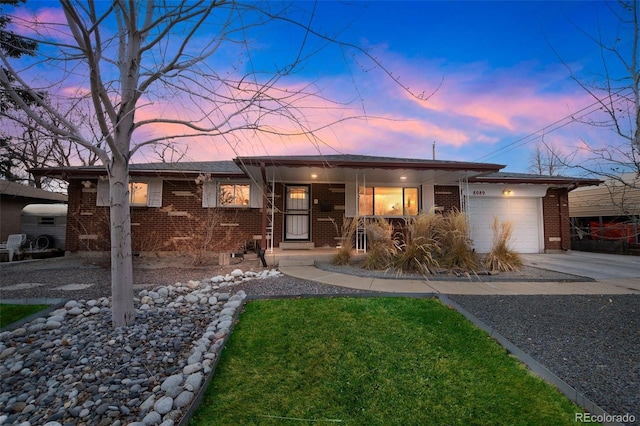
[{"x": 524, "y": 213}]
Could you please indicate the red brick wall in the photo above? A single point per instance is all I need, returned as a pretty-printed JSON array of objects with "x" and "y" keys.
[
  {"x": 555, "y": 209},
  {"x": 326, "y": 225},
  {"x": 447, "y": 197},
  {"x": 87, "y": 224},
  {"x": 181, "y": 224}
]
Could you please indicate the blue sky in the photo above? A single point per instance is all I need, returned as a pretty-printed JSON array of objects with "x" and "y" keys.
[{"x": 499, "y": 83}]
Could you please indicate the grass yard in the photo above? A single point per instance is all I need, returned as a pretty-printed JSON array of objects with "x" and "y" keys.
[
  {"x": 12, "y": 313},
  {"x": 371, "y": 361}
]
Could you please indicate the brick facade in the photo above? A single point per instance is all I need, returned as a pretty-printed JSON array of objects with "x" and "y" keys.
[
  {"x": 555, "y": 210},
  {"x": 182, "y": 224},
  {"x": 447, "y": 197},
  {"x": 327, "y": 215},
  {"x": 327, "y": 212}
]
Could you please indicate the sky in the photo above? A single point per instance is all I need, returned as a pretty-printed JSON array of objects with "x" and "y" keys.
[{"x": 495, "y": 74}]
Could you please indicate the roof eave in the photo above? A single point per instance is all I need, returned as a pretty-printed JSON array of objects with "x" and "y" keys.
[
  {"x": 67, "y": 173},
  {"x": 243, "y": 162},
  {"x": 572, "y": 182}
]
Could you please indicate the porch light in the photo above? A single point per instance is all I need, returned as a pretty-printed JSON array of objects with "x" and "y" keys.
[
  {"x": 507, "y": 192},
  {"x": 313, "y": 176},
  {"x": 403, "y": 178}
]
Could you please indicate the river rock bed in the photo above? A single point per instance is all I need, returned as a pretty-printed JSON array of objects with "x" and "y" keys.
[{"x": 73, "y": 367}]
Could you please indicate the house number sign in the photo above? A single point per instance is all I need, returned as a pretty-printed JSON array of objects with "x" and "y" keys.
[{"x": 478, "y": 192}]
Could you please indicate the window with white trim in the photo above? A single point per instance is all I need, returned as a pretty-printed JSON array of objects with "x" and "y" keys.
[
  {"x": 142, "y": 193},
  {"x": 138, "y": 193},
  {"x": 388, "y": 201},
  {"x": 234, "y": 194},
  {"x": 225, "y": 193}
]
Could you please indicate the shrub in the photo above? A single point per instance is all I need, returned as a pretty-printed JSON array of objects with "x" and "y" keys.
[
  {"x": 502, "y": 258},
  {"x": 382, "y": 248},
  {"x": 379, "y": 230},
  {"x": 420, "y": 255},
  {"x": 348, "y": 232},
  {"x": 379, "y": 256},
  {"x": 456, "y": 250},
  {"x": 428, "y": 226}
]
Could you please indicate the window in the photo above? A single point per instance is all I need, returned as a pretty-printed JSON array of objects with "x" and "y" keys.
[
  {"x": 388, "y": 201},
  {"x": 223, "y": 193},
  {"x": 138, "y": 193},
  {"x": 141, "y": 193},
  {"x": 46, "y": 221},
  {"x": 234, "y": 195}
]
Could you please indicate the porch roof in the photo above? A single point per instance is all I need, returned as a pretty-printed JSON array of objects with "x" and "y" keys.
[
  {"x": 344, "y": 168},
  {"x": 524, "y": 178}
]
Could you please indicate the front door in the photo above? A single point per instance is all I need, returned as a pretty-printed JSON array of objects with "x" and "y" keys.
[{"x": 296, "y": 213}]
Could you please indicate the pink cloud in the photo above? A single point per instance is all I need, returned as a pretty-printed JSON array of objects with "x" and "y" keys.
[
  {"x": 475, "y": 113},
  {"x": 48, "y": 22}
]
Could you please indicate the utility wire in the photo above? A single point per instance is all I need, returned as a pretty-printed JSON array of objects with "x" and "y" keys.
[{"x": 549, "y": 128}]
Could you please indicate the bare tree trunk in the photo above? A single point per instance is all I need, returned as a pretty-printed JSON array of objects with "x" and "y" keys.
[
  {"x": 159, "y": 56},
  {"x": 123, "y": 313}
]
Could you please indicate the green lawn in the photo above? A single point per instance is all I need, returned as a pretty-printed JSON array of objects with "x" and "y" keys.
[
  {"x": 371, "y": 361},
  {"x": 12, "y": 313}
]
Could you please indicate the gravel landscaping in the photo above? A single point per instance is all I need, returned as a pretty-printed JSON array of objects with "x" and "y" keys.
[{"x": 591, "y": 342}]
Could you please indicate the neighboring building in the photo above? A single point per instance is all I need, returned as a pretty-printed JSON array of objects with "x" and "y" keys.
[
  {"x": 607, "y": 217},
  {"x": 14, "y": 197},
  {"x": 301, "y": 201}
]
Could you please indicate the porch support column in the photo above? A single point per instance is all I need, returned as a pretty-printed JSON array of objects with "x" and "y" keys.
[{"x": 265, "y": 204}]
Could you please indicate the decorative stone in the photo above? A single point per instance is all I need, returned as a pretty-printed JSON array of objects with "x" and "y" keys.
[
  {"x": 163, "y": 405},
  {"x": 192, "y": 368},
  {"x": 183, "y": 399},
  {"x": 144, "y": 374}
]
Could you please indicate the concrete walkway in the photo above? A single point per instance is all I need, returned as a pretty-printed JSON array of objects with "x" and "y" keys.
[{"x": 614, "y": 274}]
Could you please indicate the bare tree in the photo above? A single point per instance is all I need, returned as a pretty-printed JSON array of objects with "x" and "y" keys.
[
  {"x": 26, "y": 145},
  {"x": 169, "y": 152},
  {"x": 548, "y": 160},
  {"x": 616, "y": 90},
  {"x": 135, "y": 55}
]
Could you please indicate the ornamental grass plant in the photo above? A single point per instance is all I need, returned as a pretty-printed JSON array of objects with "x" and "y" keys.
[
  {"x": 422, "y": 251},
  {"x": 347, "y": 232},
  {"x": 419, "y": 255},
  {"x": 456, "y": 251},
  {"x": 501, "y": 257},
  {"x": 382, "y": 246}
]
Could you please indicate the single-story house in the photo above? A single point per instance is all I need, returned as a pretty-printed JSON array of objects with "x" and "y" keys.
[
  {"x": 301, "y": 201},
  {"x": 606, "y": 217},
  {"x": 14, "y": 197}
]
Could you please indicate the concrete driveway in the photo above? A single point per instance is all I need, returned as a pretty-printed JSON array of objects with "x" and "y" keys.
[{"x": 599, "y": 266}]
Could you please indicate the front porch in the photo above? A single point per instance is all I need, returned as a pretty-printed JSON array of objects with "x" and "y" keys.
[{"x": 287, "y": 257}]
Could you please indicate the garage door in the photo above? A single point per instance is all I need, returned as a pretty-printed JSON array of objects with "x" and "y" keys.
[{"x": 524, "y": 213}]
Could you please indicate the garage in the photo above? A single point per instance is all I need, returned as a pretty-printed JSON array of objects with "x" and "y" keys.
[{"x": 524, "y": 213}]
